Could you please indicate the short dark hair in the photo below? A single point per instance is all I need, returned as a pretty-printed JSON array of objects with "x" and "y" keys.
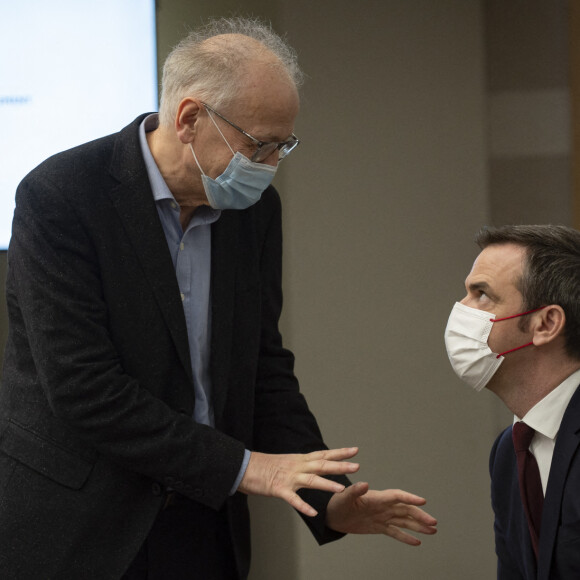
[{"x": 551, "y": 270}]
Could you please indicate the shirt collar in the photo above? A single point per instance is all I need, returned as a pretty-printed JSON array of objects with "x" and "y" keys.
[
  {"x": 158, "y": 185},
  {"x": 546, "y": 415}
]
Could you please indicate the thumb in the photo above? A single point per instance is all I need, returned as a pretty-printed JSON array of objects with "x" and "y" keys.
[{"x": 357, "y": 490}]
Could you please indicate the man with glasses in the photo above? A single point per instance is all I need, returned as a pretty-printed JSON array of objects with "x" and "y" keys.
[{"x": 146, "y": 391}]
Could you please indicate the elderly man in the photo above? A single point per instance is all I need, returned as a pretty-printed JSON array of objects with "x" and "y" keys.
[
  {"x": 146, "y": 391},
  {"x": 517, "y": 332}
]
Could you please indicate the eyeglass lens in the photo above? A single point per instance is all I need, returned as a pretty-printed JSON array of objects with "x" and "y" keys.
[{"x": 266, "y": 149}]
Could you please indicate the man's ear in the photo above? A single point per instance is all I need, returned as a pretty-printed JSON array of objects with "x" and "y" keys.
[
  {"x": 548, "y": 324},
  {"x": 186, "y": 119}
]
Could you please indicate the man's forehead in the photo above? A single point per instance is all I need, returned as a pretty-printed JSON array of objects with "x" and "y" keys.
[{"x": 498, "y": 264}]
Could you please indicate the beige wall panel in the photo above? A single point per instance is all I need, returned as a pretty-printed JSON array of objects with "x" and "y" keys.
[
  {"x": 530, "y": 123},
  {"x": 381, "y": 204},
  {"x": 528, "y": 190},
  {"x": 526, "y": 42},
  {"x": 530, "y": 134}
]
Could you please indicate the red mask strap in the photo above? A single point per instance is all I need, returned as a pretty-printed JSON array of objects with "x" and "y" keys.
[
  {"x": 516, "y": 316},
  {"x": 514, "y": 349}
]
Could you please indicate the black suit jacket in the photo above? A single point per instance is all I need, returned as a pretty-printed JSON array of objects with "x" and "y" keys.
[
  {"x": 559, "y": 548},
  {"x": 96, "y": 401}
]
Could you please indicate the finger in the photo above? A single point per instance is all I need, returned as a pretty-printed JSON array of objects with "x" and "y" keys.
[
  {"x": 405, "y": 497},
  {"x": 326, "y": 467},
  {"x": 415, "y": 513},
  {"x": 299, "y": 504},
  {"x": 402, "y": 512},
  {"x": 312, "y": 481},
  {"x": 357, "y": 490},
  {"x": 401, "y": 536},
  {"x": 333, "y": 454},
  {"x": 412, "y": 525},
  {"x": 421, "y": 516}
]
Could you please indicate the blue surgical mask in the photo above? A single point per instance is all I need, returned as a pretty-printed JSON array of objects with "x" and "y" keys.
[{"x": 240, "y": 185}]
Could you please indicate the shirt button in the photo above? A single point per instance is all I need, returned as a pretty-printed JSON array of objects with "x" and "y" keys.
[
  {"x": 182, "y": 246},
  {"x": 173, "y": 205},
  {"x": 182, "y": 296}
]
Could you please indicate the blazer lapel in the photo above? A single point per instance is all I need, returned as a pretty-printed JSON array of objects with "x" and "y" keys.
[
  {"x": 567, "y": 443},
  {"x": 224, "y": 243},
  {"x": 133, "y": 199}
]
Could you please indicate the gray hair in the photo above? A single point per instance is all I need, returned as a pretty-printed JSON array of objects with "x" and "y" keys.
[
  {"x": 215, "y": 71},
  {"x": 551, "y": 272}
]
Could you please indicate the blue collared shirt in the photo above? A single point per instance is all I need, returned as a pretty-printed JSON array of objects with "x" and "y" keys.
[{"x": 191, "y": 254}]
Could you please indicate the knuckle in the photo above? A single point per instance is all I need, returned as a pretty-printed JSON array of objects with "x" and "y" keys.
[{"x": 310, "y": 480}]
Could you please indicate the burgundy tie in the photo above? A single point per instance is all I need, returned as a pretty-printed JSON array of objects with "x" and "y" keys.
[{"x": 529, "y": 480}]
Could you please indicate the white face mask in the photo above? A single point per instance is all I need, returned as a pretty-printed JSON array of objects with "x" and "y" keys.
[{"x": 466, "y": 342}]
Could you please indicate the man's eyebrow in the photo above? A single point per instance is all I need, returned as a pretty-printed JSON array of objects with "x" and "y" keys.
[{"x": 483, "y": 286}]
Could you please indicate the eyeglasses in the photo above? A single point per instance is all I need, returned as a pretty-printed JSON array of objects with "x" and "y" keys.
[{"x": 263, "y": 149}]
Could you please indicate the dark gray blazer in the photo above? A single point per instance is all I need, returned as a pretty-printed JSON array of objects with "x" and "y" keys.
[
  {"x": 96, "y": 399},
  {"x": 559, "y": 548}
]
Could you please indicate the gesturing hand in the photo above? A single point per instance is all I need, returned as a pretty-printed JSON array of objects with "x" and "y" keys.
[
  {"x": 283, "y": 475},
  {"x": 358, "y": 510}
]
